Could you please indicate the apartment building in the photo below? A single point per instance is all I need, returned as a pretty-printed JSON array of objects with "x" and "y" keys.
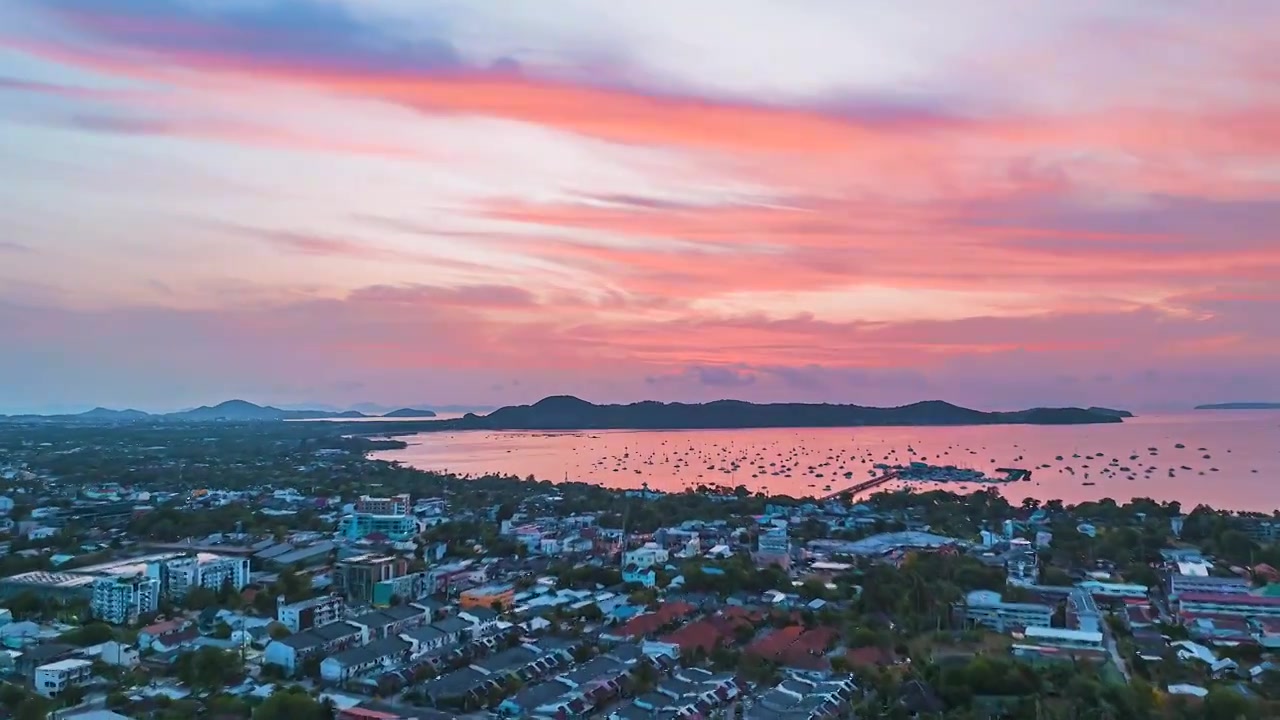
[
  {"x": 121, "y": 600},
  {"x": 394, "y": 505},
  {"x": 183, "y": 574},
  {"x": 1180, "y": 584},
  {"x": 1253, "y": 606},
  {"x": 312, "y": 613},
  {"x": 988, "y": 609},
  {"x": 53, "y": 679},
  {"x": 356, "y": 577}
]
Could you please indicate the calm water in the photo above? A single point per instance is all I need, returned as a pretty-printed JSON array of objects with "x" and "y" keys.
[{"x": 1243, "y": 446}]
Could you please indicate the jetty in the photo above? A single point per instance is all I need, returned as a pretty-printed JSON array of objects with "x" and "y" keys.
[{"x": 864, "y": 485}]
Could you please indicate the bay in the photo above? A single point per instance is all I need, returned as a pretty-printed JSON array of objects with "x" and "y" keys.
[{"x": 1240, "y": 471}]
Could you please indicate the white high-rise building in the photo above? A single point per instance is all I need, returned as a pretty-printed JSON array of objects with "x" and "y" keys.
[
  {"x": 182, "y": 574},
  {"x": 121, "y": 600}
]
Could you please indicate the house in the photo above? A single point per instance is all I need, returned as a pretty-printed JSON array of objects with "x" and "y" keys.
[
  {"x": 290, "y": 652},
  {"x": 119, "y": 654},
  {"x": 455, "y": 629},
  {"x": 157, "y": 630},
  {"x": 426, "y": 639},
  {"x": 648, "y": 555},
  {"x": 482, "y": 620},
  {"x": 640, "y": 576},
  {"x": 52, "y": 679},
  {"x": 175, "y": 641},
  {"x": 392, "y": 621},
  {"x": 19, "y": 634},
  {"x": 363, "y": 659},
  {"x": 42, "y": 654}
]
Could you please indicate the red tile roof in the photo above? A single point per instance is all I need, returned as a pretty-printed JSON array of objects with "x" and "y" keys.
[
  {"x": 650, "y": 623},
  {"x": 868, "y": 656},
  {"x": 794, "y": 646}
]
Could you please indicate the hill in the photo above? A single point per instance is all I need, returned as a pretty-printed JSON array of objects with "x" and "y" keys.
[
  {"x": 229, "y": 411},
  {"x": 571, "y": 413},
  {"x": 1109, "y": 411},
  {"x": 1241, "y": 406},
  {"x": 244, "y": 411},
  {"x": 409, "y": 413}
]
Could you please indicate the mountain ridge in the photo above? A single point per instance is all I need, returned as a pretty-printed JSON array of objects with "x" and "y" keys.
[{"x": 566, "y": 412}]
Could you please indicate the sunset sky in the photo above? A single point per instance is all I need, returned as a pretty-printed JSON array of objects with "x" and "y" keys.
[{"x": 1001, "y": 204}]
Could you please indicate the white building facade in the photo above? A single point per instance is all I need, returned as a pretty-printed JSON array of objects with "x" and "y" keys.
[
  {"x": 121, "y": 601},
  {"x": 53, "y": 679}
]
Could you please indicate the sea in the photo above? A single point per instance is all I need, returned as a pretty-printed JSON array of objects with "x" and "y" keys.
[{"x": 1229, "y": 459}]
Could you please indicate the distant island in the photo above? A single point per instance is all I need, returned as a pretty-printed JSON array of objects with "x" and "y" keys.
[
  {"x": 1109, "y": 411},
  {"x": 571, "y": 413},
  {"x": 1241, "y": 406},
  {"x": 229, "y": 411},
  {"x": 409, "y": 413}
]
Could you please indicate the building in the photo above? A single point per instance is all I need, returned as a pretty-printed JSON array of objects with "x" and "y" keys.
[
  {"x": 290, "y": 652},
  {"x": 1082, "y": 611},
  {"x": 53, "y": 679},
  {"x": 648, "y": 555},
  {"x": 884, "y": 544},
  {"x": 356, "y": 661},
  {"x": 488, "y": 596},
  {"x": 1201, "y": 582},
  {"x": 1114, "y": 591},
  {"x": 60, "y": 586},
  {"x": 1264, "y": 531},
  {"x": 121, "y": 600},
  {"x": 394, "y": 505},
  {"x": 312, "y": 613},
  {"x": 646, "y": 577},
  {"x": 406, "y": 588},
  {"x": 180, "y": 575},
  {"x": 358, "y": 526},
  {"x": 774, "y": 548},
  {"x": 987, "y": 608},
  {"x": 392, "y": 621},
  {"x": 1253, "y": 606},
  {"x": 1064, "y": 638},
  {"x": 355, "y": 578}
]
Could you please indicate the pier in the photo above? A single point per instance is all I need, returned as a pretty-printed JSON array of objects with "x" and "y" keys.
[{"x": 860, "y": 487}]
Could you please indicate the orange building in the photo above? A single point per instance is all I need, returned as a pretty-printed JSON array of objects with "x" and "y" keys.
[{"x": 486, "y": 596}]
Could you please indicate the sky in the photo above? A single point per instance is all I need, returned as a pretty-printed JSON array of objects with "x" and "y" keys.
[{"x": 1000, "y": 204}]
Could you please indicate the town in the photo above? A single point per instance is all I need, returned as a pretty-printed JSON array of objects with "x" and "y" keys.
[{"x": 272, "y": 570}]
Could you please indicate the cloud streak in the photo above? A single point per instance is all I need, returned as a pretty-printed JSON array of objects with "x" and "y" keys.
[{"x": 479, "y": 195}]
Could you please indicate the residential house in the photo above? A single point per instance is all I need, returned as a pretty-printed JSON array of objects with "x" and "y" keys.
[
  {"x": 157, "y": 630},
  {"x": 648, "y": 555},
  {"x": 356, "y": 661},
  {"x": 641, "y": 576},
  {"x": 118, "y": 654},
  {"x": 290, "y": 652},
  {"x": 427, "y": 639},
  {"x": 482, "y": 620},
  {"x": 392, "y": 621},
  {"x": 43, "y": 654}
]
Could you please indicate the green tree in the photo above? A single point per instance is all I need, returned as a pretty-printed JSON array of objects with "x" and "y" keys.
[{"x": 208, "y": 668}]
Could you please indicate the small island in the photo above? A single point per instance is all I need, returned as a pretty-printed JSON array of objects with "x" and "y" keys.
[
  {"x": 409, "y": 413},
  {"x": 1241, "y": 406}
]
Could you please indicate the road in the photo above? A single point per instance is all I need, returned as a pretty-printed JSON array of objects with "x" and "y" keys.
[{"x": 1110, "y": 639}]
